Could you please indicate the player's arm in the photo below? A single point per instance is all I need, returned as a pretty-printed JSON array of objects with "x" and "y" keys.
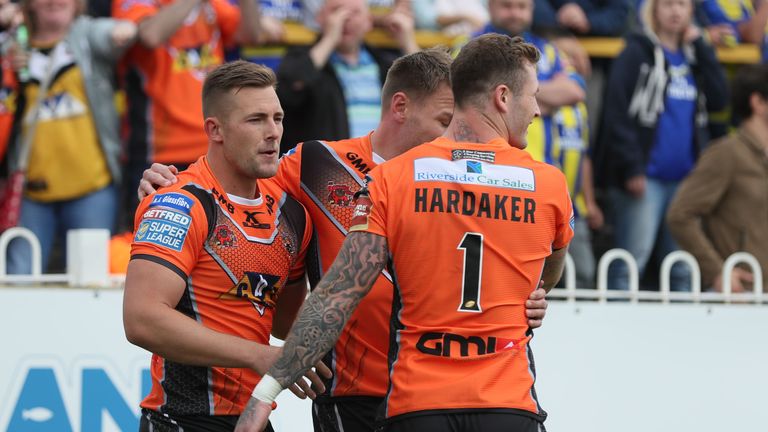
[
  {"x": 553, "y": 268},
  {"x": 288, "y": 304},
  {"x": 323, "y": 316},
  {"x": 152, "y": 322}
]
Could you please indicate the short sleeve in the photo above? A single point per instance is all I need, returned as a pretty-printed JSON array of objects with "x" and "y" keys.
[
  {"x": 288, "y": 176},
  {"x": 133, "y": 10},
  {"x": 228, "y": 18},
  {"x": 170, "y": 229},
  {"x": 565, "y": 218},
  {"x": 298, "y": 269},
  {"x": 369, "y": 214}
]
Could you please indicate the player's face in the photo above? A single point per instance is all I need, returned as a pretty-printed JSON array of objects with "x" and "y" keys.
[
  {"x": 429, "y": 117},
  {"x": 251, "y": 131},
  {"x": 514, "y": 16},
  {"x": 673, "y": 16},
  {"x": 524, "y": 107}
]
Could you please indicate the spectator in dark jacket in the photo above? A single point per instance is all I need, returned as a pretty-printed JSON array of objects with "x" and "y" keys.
[
  {"x": 332, "y": 90},
  {"x": 655, "y": 124}
]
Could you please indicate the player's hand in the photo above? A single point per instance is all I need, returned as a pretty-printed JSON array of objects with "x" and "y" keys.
[
  {"x": 636, "y": 186},
  {"x": 157, "y": 176},
  {"x": 255, "y": 416},
  {"x": 302, "y": 389},
  {"x": 536, "y": 306}
]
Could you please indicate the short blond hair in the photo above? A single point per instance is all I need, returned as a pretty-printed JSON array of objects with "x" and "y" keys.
[{"x": 234, "y": 75}]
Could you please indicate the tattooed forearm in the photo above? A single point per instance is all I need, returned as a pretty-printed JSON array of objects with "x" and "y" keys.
[
  {"x": 553, "y": 268},
  {"x": 464, "y": 132},
  {"x": 326, "y": 311}
]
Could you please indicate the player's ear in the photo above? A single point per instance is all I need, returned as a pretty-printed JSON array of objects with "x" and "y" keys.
[
  {"x": 399, "y": 106},
  {"x": 213, "y": 130},
  {"x": 501, "y": 97}
]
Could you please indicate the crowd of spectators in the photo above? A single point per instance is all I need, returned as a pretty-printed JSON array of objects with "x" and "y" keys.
[{"x": 92, "y": 94}]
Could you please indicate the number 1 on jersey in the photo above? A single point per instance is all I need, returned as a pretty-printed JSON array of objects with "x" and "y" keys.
[{"x": 472, "y": 243}]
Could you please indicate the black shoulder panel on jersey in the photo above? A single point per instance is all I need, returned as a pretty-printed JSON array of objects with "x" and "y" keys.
[
  {"x": 295, "y": 215},
  {"x": 206, "y": 200},
  {"x": 314, "y": 157}
]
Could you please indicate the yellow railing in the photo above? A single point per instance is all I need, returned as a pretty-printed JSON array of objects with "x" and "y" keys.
[
  {"x": 606, "y": 47},
  {"x": 600, "y": 47}
]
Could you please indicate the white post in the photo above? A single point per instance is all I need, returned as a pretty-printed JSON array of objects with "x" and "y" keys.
[
  {"x": 602, "y": 273},
  {"x": 757, "y": 273},
  {"x": 666, "y": 272},
  {"x": 88, "y": 257},
  {"x": 34, "y": 243},
  {"x": 570, "y": 277}
]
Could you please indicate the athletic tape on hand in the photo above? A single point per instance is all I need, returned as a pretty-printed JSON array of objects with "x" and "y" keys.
[{"x": 267, "y": 389}]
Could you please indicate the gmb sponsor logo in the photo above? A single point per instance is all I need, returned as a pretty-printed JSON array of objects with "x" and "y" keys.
[
  {"x": 358, "y": 163},
  {"x": 454, "y": 345}
]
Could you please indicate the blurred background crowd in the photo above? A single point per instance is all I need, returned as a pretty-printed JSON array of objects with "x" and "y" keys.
[{"x": 655, "y": 110}]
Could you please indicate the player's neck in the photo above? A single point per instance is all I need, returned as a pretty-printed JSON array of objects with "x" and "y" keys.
[
  {"x": 472, "y": 126},
  {"x": 379, "y": 139},
  {"x": 231, "y": 181}
]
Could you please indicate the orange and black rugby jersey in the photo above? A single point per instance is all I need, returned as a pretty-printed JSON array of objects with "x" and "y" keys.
[
  {"x": 324, "y": 177},
  {"x": 163, "y": 84},
  {"x": 469, "y": 226},
  {"x": 235, "y": 256}
]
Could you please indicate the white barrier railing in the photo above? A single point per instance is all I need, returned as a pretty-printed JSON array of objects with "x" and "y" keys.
[
  {"x": 569, "y": 276},
  {"x": 757, "y": 273},
  {"x": 602, "y": 275},
  {"x": 665, "y": 275},
  {"x": 87, "y": 259},
  {"x": 34, "y": 243},
  {"x": 88, "y": 262}
]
